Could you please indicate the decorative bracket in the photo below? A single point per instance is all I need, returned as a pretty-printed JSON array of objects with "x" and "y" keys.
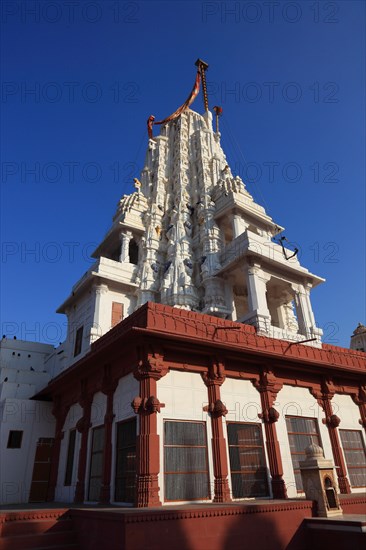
[
  {"x": 82, "y": 425},
  {"x": 147, "y": 405},
  {"x": 269, "y": 415},
  {"x": 216, "y": 409},
  {"x": 332, "y": 421}
]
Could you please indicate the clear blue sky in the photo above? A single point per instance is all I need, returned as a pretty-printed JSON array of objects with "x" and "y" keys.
[{"x": 290, "y": 77}]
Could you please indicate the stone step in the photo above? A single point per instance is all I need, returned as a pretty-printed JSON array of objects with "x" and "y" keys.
[
  {"x": 61, "y": 539},
  {"x": 36, "y": 526}
]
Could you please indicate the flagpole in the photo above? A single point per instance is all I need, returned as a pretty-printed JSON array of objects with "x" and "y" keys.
[{"x": 203, "y": 66}]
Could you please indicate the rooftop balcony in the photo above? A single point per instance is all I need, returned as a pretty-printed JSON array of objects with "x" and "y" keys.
[
  {"x": 111, "y": 270},
  {"x": 251, "y": 244}
]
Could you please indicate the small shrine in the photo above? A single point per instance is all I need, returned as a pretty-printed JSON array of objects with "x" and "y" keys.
[{"x": 319, "y": 482}]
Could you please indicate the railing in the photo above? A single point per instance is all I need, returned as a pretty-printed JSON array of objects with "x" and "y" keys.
[{"x": 251, "y": 242}]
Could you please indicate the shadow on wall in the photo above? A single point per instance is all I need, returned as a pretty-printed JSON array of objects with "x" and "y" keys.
[
  {"x": 231, "y": 527},
  {"x": 274, "y": 530}
]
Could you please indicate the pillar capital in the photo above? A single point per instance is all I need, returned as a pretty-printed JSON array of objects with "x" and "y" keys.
[
  {"x": 215, "y": 375},
  {"x": 152, "y": 366},
  {"x": 323, "y": 392},
  {"x": 254, "y": 269},
  {"x": 85, "y": 400},
  {"x": 60, "y": 410},
  {"x": 101, "y": 288},
  {"x": 85, "y": 394},
  {"x": 360, "y": 397},
  {"x": 108, "y": 383},
  {"x": 268, "y": 383},
  {"x": 125, "y": 235}
]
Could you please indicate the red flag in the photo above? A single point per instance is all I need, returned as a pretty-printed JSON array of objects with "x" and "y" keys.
[{"x": 192, "y": 96}]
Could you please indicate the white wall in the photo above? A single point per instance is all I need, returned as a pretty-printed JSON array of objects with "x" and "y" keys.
[
  {"x": 128, "y": 388},
  {"x": 80, "y": 314},
  {"x": 35, "y": 419},
  {"x": 105, "y": 312},
  {"x": 21, "y": 354},
  {"x": 22, "y": 370}
]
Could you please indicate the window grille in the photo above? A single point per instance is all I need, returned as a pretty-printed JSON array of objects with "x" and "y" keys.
[
  {"x": 78, "y": 341},
  {"x": 96, "y": 463},
  {"x": 302, "y": 432},
  {"x": 70, "y": 457},
  {"x": 185, "y": 461},
  {"x": 247, "y": 460},
  {"x": 125, "y": 481},
  {"x": 355, "y": 455}
]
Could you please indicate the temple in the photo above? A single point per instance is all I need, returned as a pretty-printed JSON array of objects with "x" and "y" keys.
[
  {"x": 193, "y": 370},
  {"x": 191, "y": 236}
]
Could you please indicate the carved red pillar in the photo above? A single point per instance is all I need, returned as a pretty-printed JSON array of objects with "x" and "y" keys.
[
  {"x": 83, "y": 426},
  {"x": 147, "y": 442},
  {"x": 332, "y": 422},
  {"x": 268, "y": 387},
  {"x": 108, "y": 388},
  {"x": 360, "y": 400},
  {"x": 60, "y": 412},
  {"x": 213, "y": 379}
]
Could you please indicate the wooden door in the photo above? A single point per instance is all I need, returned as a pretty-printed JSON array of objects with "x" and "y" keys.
[{"x": 41, "y": 470}]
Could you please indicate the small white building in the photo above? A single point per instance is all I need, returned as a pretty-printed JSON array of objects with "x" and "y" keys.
[{"x": 23, "y": 421}]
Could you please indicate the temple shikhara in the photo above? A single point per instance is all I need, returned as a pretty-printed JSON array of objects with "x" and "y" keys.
[{"x": 193, "y": 373}]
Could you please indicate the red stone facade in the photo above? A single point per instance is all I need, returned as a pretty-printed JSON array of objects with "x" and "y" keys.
[{"x": 158, "y": 338}]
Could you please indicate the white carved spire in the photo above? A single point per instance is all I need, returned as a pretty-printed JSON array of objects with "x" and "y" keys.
[{"x": 191, "y": 236}]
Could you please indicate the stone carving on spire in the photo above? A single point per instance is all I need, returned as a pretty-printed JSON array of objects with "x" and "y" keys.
[{"x": 192, "y": 236}]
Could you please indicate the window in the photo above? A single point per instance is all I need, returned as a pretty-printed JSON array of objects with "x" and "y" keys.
[
  {"x": 115, "y": 255},
  {"x": 247, "y": 460},
  {"x": 70, "y": 457},
  {"x": 302, "y": 432},
  {"x": 96, "y": 463},
  {"x": 355, "y": 455},
  {"x": 185, "y": 461},
  {"x": 126, "y": 462},
  {"x": 15, "y": 439},
  {"x": 133, "y": 252},
  {"x": 117, "y": 313},
  {"x": 78, "y": 341}
]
